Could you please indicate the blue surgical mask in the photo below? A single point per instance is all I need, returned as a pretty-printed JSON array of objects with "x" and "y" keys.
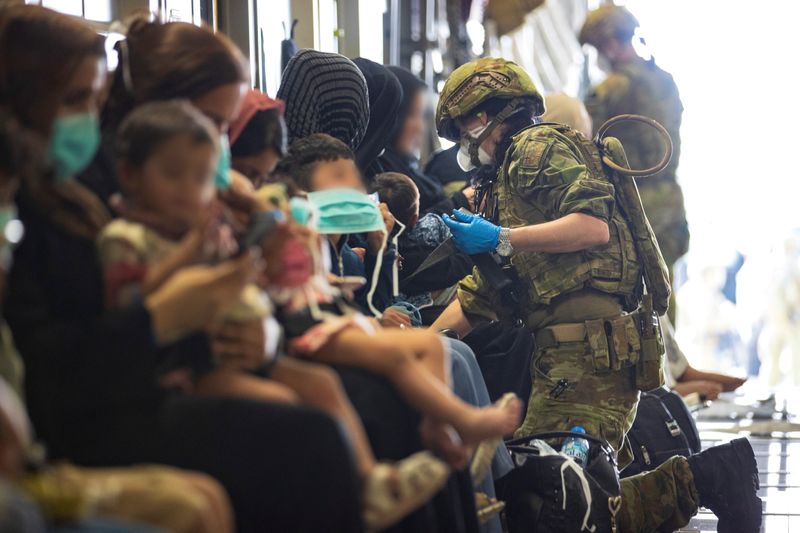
[
  {"x": 346, "y": 211},
  {"x": 222, "y": 178},
  {"x": 73, "y": 142}
]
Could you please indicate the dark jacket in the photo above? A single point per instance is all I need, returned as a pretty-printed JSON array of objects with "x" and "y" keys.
[
  {"x": 346, "y": 262},
  {"x": 90, "y": 374}
]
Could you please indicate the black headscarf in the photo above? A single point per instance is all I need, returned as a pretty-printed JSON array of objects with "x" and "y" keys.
[
  {"x": 432, "y": 198},
  {"x": 385, "y": 96}
]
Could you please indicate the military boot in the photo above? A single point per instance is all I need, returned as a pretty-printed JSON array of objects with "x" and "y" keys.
[{"x": 726, "y": 478}]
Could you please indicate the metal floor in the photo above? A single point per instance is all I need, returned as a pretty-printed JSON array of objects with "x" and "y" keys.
[{"x": 778, "y": 459}]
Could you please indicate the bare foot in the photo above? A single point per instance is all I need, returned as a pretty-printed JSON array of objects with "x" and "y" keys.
[
  {"x": 494, "y": 421},
  {"x": 444, "y": 440}
]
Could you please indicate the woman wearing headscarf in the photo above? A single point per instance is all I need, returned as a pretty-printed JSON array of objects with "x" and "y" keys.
[
  {"x": 402, "y": 152},
  {"x": 328, "y": 93},
  {"x": 385, "y": 98},
  {"x": 258, "y": 137}
]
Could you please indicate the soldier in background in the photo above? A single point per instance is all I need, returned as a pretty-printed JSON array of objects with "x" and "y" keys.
[
  {"x": 552, "y": 214},
  {"x": 638, "y": 86}
]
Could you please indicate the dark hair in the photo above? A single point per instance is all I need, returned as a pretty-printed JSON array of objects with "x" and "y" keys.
[
  {"x": 399, "y": 192},
  {"x": 175, "y": 60},
  {"x": 20, "y": 151},
  {"x": 305, "y": 153},
  {"x": 150, "y": 125},
  {"x": 266, "y": 130},
  {"x": 41, "y": 50}
]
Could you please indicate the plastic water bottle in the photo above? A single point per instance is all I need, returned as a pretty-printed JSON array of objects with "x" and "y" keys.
[{"x": 576, "y": 448}]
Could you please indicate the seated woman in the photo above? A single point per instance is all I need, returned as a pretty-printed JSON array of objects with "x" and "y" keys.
[
  {"x": 391, "y": 426},
  {"x": 258, "y": 137},
  {"x": 90, "y": 372},
  {"x": 402, "y": 153}
]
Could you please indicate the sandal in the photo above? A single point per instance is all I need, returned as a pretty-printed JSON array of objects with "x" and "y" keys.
[
  {"x": 487, "y": 507},
  {"x": 392, "y": 491},
  {"x": 482, "y": 460}
]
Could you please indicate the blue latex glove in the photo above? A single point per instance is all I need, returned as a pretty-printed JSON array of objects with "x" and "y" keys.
[{"x": 473, "y": 234}]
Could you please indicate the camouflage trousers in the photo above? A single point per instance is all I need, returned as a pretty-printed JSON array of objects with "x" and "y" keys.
[{"x": 604, "y": 404}]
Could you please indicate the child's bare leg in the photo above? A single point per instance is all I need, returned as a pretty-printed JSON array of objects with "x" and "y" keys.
[
  {"x": 319, "y": 386},
  {"x": 385, "y": 356},
  {"x": 429, "y": 349},
  {"x": 230, "y": 382}
]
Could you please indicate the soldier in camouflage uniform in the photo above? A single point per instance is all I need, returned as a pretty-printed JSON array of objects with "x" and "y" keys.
[
  {"x": 638, "y": 86},
  {"x": 574, "y": 256}
]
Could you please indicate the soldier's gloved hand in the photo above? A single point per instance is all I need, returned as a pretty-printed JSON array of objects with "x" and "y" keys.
[{"x": 473, "y": 234}]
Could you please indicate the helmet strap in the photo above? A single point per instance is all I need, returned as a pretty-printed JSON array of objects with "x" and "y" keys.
[{"x": 504, "y": 113}]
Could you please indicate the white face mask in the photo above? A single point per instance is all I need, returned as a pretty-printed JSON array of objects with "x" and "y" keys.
[{"x": 463, "y": 158}]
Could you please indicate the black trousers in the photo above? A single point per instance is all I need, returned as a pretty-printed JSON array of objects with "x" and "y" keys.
[
  {"x": 285, "y": 468},
  {"x": 392, "y": 428}
]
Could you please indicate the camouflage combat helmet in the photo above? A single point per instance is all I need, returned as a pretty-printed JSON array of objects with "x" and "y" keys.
[
  {"x": 475, "y": 82},
  {"x": 607, "y": 22}
]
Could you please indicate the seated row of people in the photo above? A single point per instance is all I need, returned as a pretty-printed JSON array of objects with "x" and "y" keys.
[{"x": 167, "y": 312}]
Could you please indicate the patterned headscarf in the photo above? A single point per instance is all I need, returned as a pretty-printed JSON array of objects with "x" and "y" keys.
[{"x": 325, "y": 93}]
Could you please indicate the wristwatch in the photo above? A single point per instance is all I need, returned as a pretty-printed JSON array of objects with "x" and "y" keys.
[{"x": 504, "y": 247}]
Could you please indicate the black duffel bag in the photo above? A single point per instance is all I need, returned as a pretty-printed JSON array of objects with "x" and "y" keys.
[
  {"x": 545, "y": 493},
  {"x": 663, "y": 427}
]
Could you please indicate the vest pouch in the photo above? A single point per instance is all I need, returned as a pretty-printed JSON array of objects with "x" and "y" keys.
[{"x": 650, "y": 367}]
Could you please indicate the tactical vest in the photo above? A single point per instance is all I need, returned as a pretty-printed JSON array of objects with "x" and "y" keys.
[{"x": 614, "y": 268}]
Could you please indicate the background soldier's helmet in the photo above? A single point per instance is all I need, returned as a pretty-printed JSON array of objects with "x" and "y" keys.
[
  {"x": 608, "y": 22},
  {"x": 475, "y": 82}
]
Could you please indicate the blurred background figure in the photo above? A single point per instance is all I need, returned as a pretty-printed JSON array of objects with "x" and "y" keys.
[
  {"x": 566, "y": 109},
  {"x": 638, "y": 86}
]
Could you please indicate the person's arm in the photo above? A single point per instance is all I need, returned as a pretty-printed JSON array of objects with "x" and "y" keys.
[
  {"x": 728, "y": 383},
  {"x": 453, "y": 318},
  {"x": 576, "y": 205},
  {"x": 105, "y": 355},
  {"x": 572, "y": 233}
]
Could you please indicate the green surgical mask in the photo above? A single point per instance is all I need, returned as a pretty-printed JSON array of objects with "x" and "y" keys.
[
  {"x": 302, "y": 211},
  {"x": 222, "y": 178},
  {"x": 73, "y": 142},
  {"x": 346, "y": 211}
]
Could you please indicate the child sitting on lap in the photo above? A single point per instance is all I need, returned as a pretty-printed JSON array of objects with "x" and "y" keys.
[{"x": 167, "y": 153}]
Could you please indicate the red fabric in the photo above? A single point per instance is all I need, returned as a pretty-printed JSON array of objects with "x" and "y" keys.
[
  {"x": 119, "y": 275},
  {"x": 254, "y": 101}
]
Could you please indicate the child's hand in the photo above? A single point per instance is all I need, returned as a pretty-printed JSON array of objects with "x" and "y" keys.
[
  {"x": 395, "y": 318},
  {"x": 194, "y": 297}
]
